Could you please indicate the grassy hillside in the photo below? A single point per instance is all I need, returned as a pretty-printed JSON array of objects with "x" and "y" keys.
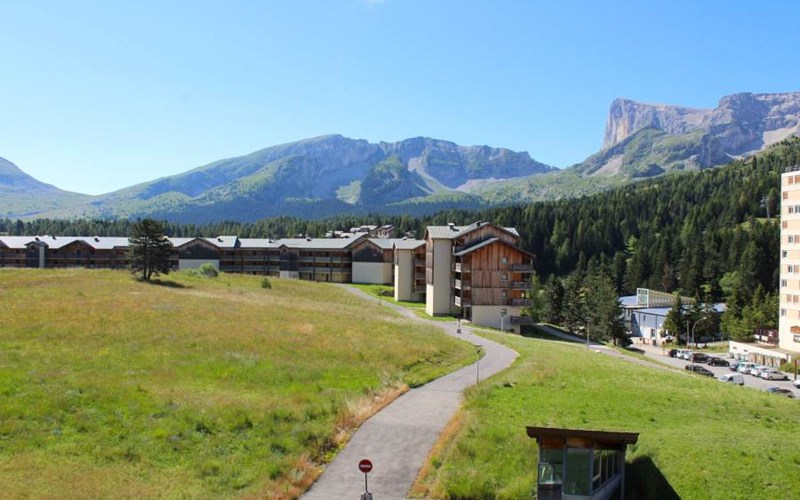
[
  {"x": 204, "y": 388},
  {"x": 707, "y": 439}
]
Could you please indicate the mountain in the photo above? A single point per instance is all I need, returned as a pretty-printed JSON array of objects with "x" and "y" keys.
[
  {"x": 316, "y": 177},
  {"x": 21, "y": 195},
  {"x": 644, "y": 140}
]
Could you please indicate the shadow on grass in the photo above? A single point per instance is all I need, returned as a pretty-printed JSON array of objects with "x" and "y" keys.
[
  {"x": 643, "y": 479},
  {"x": 164, "y": 283}
]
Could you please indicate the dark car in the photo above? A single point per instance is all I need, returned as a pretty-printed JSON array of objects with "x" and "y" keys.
[
  {"x": 673, "y": 353},
  {"x": 780, "y": 391},
  {"x": 698, "y": 357},
  {"x": 714, "y": 361},
  {"x": 700, "y": 370}
]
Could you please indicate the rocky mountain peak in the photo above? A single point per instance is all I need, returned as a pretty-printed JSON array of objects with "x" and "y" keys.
[{"x": 627, "y": 117}]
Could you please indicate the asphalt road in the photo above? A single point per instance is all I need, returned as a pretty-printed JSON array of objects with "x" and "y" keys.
[{"x": 398, "y": 438}]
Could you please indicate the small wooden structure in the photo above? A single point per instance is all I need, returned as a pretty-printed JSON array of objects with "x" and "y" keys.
[{"x": 581, "y": 464}]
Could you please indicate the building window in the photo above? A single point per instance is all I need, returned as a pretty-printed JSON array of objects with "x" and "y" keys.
[
  {"x": 504, "y": 277},
  {"x": 784, "y": 254},
  {"x": 784, "y": 283},
  {"x": 783, "y": 312},
  {"x": 504, "y": 260},
  {"x": 785, "y": 195},
  {"x": 504, "y": 293},
  {"x": 790, "y": 238}
]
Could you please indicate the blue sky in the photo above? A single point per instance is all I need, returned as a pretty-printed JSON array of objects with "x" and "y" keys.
[{"x": 96, "y": 96}]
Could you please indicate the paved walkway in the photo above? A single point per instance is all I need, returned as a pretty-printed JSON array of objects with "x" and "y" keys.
[{"x": 398, "y": 438}]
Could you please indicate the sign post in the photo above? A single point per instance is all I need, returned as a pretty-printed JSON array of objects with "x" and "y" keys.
[{"x": 365, "y": 466}]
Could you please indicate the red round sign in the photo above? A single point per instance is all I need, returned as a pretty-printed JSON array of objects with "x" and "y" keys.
[{"x": 365, "y": 466}]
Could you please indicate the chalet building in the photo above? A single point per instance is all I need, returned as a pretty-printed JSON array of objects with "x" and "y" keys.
[
  {"x": 373, "y": 261},
  {"x": 477, "y": 272}
]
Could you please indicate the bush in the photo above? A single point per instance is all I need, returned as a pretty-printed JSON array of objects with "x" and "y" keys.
[
  {"x": 208, "y": 270},
  {"x": 266, "y": 283}
]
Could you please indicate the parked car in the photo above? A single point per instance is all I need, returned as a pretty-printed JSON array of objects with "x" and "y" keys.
[
  {"x": 773, "y": 374},
  {"x": 733, "y": 378},
  {"x": 698, "y": 357},
  {"x": 744, "y": 366},
  {"x": 684, "y": 353},
  {"x": 700, "y": 370},
  {"x": 756, "y": 370},
  {"x": 781, "y": 392},
  {"x": 796, "y": 383},
  {"x": 715, "y": 361},
  {"x": 673, "y": 353}
]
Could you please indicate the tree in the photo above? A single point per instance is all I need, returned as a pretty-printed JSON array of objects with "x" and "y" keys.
[
  {"x": 675, "y": 319},
  {"x": 149, "y": 249},
  {"x": 603, "y": 311},
  {"x": 554, "y": 301}
]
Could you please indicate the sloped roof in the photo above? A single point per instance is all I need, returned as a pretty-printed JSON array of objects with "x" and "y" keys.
[
  {"x": 320, "y": 243},
  {"x": 408, "y": 244},
  {"x": 452, "y": 232},
  {"x": 489, "y": 242}
]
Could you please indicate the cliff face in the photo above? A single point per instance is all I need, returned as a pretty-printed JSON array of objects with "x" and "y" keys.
[
  {"x": 627, "y": 117},
  {"x": 741, "y": 120},
  {"x": 643, "y": 140}
]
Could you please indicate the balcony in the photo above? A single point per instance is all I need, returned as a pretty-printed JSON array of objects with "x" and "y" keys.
[
  {"x": 522, "y": 320},
  {"x": 420, "y": 289},
  {"x": 522, "y": 268},
  {"x": 462, "y": 301},
  {"x": 419, "y": 263},
  {"x": 462, "y": 285},
  {"x": 521, "y": 285},
  {"x": 520, "y": 302},
  {"x": 419, "y": 276},
  {"x": 461, "y": 268}
]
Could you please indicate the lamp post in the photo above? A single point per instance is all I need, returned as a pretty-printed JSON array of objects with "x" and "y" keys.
[{"x": 691, "y": 360}]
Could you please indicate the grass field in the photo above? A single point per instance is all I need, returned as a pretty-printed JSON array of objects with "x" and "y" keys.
[
  {"x": 199, "y": 387},
  {"x": 702, "y": 438}
]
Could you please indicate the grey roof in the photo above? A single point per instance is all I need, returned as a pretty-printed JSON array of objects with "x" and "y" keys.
[
  {"x": 408, "y": 244},
  {"x": 258, "y": 243},
  {"x": 486, "y": 243},
  {"x": 56, "y": 242},
  {"x": 385, "y": 243},
  {"x": 319, "y": 243},
  {"x": 451, "y": 232},
  {"x": 471, "y": 249}
]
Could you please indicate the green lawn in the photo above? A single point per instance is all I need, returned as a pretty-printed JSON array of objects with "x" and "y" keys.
[
  {"x": 204, "y": 388},
  {"x": 707, "y": 439}
]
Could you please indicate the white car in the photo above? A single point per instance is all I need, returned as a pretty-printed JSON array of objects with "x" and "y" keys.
[
  {"x": 773, "y": 374},
  {"x": 796, "y": 383},
  {"x": 745, "y": 366}
]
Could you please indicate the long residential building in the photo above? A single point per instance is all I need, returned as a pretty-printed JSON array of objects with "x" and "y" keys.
[
  {"x": 475, "y": 272},
  {"x": 788, "y": 340}
]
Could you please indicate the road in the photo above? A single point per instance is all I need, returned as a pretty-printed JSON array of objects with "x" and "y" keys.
[{"x": 398, "y": 438}]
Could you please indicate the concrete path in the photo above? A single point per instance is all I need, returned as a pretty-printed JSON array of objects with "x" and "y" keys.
[{"x": 398, "y": 438}]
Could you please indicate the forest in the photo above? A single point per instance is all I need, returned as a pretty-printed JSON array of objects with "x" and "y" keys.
[{"x": 712, "y": 234}]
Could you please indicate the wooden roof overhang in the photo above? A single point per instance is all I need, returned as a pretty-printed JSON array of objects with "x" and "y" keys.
[
  {"x": 553, "y": 437},
  {"x": 489, "y": 242}
]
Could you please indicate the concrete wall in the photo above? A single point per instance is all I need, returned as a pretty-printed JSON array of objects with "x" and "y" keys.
[
  {"x": 438, "y": 299},
  {"x": 379, "y": 273},
  {"x": 292, "y": 275},
  {"x": 490, "y": 316},
  {"x": 196, "y": 263}
]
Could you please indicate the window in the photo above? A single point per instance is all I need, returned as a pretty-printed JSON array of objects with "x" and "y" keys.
[
  {"x": 785, "y": 195},
  {"x": 783, "y": 312},
  {"x": 504, "y": 260},
  {"x": 784, "y": 283},
  {"x": 790, "y": 238},
  {"x": 504, "y": 277},
  {"x": 504, "y": 293},
  {"x": 784, "y": 254},
  {"x": 579, "y": 464}
]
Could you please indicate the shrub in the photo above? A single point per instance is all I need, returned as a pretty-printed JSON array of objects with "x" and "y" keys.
[
  {"x": 208, "y": 270},
  {"x": 266, "y": 283}
]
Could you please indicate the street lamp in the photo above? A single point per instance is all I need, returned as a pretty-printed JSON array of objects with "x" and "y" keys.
[
  {"x": 478, "y": 348},
  {"x": 691, "y": 360}
]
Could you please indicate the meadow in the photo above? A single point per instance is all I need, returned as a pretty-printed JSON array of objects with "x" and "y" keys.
[
  {"x": 196, "y": 387},
  {"x": 699, "y": 438}
]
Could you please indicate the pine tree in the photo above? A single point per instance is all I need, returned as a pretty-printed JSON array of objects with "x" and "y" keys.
[{"x": 149, "y": 249}]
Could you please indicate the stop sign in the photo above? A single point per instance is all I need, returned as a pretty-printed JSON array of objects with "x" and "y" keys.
[{"x": 365, "y": 466}]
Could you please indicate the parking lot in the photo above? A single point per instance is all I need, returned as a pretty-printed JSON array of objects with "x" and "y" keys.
[{"x": 749, "y": 380}]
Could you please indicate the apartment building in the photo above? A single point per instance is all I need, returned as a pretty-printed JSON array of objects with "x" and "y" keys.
[
  {"x": 477, "y": 272},
  {"x": 789, "y": 315}
]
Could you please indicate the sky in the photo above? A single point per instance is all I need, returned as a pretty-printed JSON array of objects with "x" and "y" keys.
[{"x": 97, "y": 96}]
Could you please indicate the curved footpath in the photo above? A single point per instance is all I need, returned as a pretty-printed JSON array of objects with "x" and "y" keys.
[{"x": 398, "y": 438}]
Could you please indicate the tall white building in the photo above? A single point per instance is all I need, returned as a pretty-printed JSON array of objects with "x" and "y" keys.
[{"x": 789, "y": 315}]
